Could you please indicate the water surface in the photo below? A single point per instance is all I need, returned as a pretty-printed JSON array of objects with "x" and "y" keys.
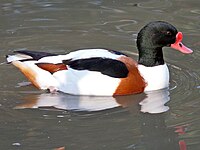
[{"x": 32, "y": 119}]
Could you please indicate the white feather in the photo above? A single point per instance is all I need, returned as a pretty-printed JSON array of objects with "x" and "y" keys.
[
  {"x": 80, "y": 54},
  {"x": 86, "y": 82},
  {"x": 16, "y": 57},
  {"x": 156, "y": 77}
]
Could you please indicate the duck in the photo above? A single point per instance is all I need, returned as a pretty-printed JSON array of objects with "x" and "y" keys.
[{"x": 104, "y": 72}]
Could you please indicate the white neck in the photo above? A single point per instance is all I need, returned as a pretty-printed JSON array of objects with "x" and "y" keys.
[{"x": 156, "y": 77}]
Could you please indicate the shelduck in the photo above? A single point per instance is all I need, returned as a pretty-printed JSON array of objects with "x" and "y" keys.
[{"x": 103, "y": 72}]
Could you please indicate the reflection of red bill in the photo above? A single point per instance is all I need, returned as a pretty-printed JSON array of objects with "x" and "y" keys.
[
  {"x": 178, "y": 45},
  {"x": 182, "y": 145}
]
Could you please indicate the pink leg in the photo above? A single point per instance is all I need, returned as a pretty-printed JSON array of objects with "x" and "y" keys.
[{"x": 52, "y": 89}]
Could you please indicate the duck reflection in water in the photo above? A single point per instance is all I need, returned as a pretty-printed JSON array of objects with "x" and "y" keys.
[
  {"x": 151, "y": 102},
  {"x": 157, "y": 135},
  {"x": 148, "y": 107}
]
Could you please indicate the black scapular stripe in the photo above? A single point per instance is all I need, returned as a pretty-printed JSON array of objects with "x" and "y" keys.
[
  {"x": 116, "y": 52},
  {"x": 106, "y": 66},
  {"x": 35, "y": 55}
]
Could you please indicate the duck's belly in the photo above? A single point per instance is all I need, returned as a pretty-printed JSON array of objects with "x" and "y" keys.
[{"x": 86, "y": 82}]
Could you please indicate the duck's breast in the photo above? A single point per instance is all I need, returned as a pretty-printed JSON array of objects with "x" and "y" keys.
[{"x": 156, "y": 77}]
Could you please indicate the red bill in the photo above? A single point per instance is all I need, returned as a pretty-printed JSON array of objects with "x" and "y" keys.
[{"x": 178, "y": 45}]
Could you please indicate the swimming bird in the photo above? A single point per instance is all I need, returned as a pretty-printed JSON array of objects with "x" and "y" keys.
[{"x": 104, "y": 72}]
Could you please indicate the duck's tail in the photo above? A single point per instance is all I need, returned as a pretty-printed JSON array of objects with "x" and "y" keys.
[{"x": 26, "y": 62}]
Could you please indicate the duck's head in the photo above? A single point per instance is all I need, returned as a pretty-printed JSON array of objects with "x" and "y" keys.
[{"x": 153, "y": 37}]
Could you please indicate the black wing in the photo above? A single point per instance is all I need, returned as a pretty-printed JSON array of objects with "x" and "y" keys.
[
  {"x": 35, "y": 55},
  {"x": 106, "y": 66}
]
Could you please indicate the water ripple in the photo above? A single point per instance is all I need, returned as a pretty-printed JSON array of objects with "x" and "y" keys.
[{"x": 184, "y": 80}]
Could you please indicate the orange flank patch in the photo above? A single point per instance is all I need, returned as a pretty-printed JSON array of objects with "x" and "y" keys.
[
  {"x": 52, "y": 67},
  {"x": 134, "y": 82},
  {"x": 28, "y": 72}
]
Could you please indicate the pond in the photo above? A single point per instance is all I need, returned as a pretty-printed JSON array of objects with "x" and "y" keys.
[{"x": 30, "y": 119}]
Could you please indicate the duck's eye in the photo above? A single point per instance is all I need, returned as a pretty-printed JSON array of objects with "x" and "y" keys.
[{"x": 168, "y": 33}]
